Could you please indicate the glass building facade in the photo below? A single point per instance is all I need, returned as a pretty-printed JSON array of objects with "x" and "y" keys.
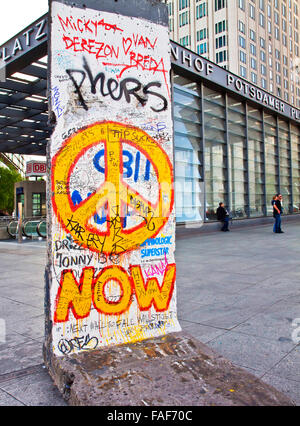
[{"x": 229, "y": 149}]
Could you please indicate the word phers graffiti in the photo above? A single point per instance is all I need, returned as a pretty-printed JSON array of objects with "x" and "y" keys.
[{"x": 113, "y": 270}]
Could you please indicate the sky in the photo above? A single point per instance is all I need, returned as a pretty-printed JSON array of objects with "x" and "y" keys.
[{"x": 18, "y": 14}]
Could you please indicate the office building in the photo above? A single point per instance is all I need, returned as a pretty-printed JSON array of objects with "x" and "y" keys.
[{"x": 255, "y": 39}]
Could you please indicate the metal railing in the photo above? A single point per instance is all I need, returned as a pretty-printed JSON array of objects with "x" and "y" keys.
[{"x": 31, "y": 227}]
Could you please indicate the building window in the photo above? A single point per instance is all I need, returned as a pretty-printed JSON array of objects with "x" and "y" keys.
[
  {"x": 202, "y": 48},
  {"x": 201, "y": 34},
  {"x": 271, "y": 165},
  {"x": 252, "y": 35},
  {"x": 253, "y": 63},
  {"x": 220, "y": 4},
  {"x": 215, "y": 150},
  {"x": 284, "y": 39},
  {"x": 269, "y": 27},
  {"x": 254, "y": 77},
  {"x": 243, "y": 57},
  {"x": 242, "y": 42},
  {"x": 183, "y": 19},
  {"x": 185, "y": 41},
  {"x": 262, "y": 56},
  {"x": 262, "y": 5},
  {"x": 237, "y": 155},
  {"x": 243, "y": 71},
  {"x": 283, "y": 25},
  {"x": 283, "y": 10},
  {"x": 220, "y": 27},
  {"x": 201, "y": 10},
  {"x": 188, "y": 151},
  {"x": 252, "y": 49},
  {"x": 221, "y": 56},
  {"x": 284, "y": 161},
  {"x": 295, "y": 155},
  {"x": 38, "y": 204},
  {"x": 262, "y": 42},
  {"x": 263, "y": 69},
  {"x": 242, "y": 27},
  {"x": 261, "y": 20},
  {"x": 255, "y": 162},
  {"x": 263, "y": 83},
  {"x": 252, "y": 11},
  {"x": 269, "y": 11},
  {"x": 183, "y": 4},
  {"x": 242, "y": 4},
  {"x": 220, "y": 42}
]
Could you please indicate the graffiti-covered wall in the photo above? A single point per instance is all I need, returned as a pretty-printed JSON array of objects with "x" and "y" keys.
[{"x": 112, "y": 232}]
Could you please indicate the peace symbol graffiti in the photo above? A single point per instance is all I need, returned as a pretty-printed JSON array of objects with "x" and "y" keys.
[{"x": 113, "y": 193}]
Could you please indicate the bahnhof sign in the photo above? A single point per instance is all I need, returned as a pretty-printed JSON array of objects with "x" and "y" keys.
[{"x": 234, "y": 142}]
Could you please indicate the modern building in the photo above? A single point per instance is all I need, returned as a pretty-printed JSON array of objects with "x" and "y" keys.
[
  {"x": 234, "y": 141},
  {"x": 255, "y": 39},
  {"x": 16, "y": 161},
  {"x": 32, "y": 196}
]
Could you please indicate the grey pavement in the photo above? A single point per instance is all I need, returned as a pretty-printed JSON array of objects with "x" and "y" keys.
[{"x": 238, "y": 292}]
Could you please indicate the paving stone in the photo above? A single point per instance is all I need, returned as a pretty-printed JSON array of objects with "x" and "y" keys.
[
  {"x": 8, "y": 400},
  {"x": 36, "y": 389}
]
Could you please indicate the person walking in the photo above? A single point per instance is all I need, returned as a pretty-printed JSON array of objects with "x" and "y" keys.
[
  {"x": 223, "y": 216},
  {"x": 277, "y": 211}
]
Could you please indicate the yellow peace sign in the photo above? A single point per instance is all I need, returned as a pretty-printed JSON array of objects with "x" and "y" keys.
[{"x": 113, "y": 192}]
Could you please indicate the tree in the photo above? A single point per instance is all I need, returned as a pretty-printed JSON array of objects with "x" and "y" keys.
[{"x": 8, "y": 177}]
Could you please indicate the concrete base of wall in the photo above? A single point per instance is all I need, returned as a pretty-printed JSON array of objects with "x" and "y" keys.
[{"x": 174, "y": 370}]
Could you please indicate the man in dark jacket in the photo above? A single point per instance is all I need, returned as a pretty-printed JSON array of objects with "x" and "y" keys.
[
  {"x": 223, "y": 216},
  {"x": 277, "y": 211}
]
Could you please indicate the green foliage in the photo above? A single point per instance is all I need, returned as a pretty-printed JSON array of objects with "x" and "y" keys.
[{"x": 7, "y": 179}]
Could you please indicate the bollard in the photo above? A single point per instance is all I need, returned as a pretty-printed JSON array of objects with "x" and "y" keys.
[{"x": 20, "y": 216}]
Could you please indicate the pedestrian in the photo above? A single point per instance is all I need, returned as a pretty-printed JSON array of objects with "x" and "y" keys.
[
  {"x": 277, "y": 211},
  {"x": 223, "y": 216}
]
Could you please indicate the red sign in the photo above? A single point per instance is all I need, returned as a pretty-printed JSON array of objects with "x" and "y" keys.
[{"x": 35, "y": 168}]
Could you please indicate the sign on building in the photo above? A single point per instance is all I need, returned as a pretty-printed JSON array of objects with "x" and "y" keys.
[
  {"x": 112, "y": 237},
  {"x": 36, "y": 168}
]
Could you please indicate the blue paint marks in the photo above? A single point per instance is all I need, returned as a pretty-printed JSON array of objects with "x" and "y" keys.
[
  {"x": 77, "y": 199},
  {"x": 96, "y": 161},
  {"x": 131, "y": 165}
]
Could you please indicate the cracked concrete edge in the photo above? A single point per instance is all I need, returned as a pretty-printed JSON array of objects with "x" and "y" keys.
[{"x": 172, "y": 370}]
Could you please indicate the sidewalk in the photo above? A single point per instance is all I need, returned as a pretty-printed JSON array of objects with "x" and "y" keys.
[{"x": 238, "y": 292}]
